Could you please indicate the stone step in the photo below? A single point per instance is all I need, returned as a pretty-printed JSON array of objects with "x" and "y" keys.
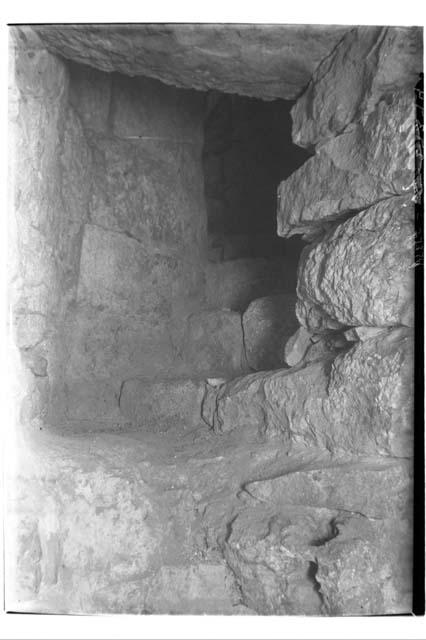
[
  {"x": 359, "y": 402},
  {"x": 164, "y": 405}
]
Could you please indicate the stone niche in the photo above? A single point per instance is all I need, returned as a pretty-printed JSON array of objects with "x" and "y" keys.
[
  {"x": 212, "y": 315},
  {"x": 120, "y": 227}
]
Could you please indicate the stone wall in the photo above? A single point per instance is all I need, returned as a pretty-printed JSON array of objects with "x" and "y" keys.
[
  {"x": 143, "y": 246},
  {"x": 357, "y": 205},
  {"x": 350, "y": 388},
  {"x": 109, "y": 198},
  {"x": 50, "y": 164},
  {"x": 112, "y": 242},
  {"x": 298, "y": 499}
]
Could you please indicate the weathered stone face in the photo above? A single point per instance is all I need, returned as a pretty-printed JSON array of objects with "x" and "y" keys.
[
  {"x": 368, "y": 162},
  {"x": 317, "y": 561},
  {"x": 367, "y": 567},
  {"x": 360, "y": 402},
  {"x": 367, "y": 64},
  {"x": 269, "y": 61},
  {"x": 50, "y": 169},
  {"x": 362, "y": 272},
  {"x": 270, "y": 554}
]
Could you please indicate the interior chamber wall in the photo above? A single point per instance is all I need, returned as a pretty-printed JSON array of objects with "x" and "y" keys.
[{"x": 121, "y": 222}]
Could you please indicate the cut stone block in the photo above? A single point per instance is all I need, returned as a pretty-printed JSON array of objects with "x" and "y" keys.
[
  {"x": 160, "y": 406},
  {"x": 214, "y": 345}
]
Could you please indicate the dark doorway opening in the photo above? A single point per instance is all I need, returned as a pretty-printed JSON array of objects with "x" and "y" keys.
[{"x": 247, "y": 152}]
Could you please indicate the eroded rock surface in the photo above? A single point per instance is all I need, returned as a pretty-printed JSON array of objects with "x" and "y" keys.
[
  {"x": 367, "y": 64},
  {"x": 360, "y": 402},
  {"x": 371, "y": 161},
  {"x": 294, "y": 548},
  {"x": 362, "y": 272},
  {"x": 366, "y": 567}
]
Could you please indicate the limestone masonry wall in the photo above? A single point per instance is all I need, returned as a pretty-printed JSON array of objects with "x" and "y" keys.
[{"x": 112, "y": 241}]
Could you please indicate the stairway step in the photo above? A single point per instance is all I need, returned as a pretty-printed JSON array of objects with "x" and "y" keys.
[{"x": 163, "y": 405}]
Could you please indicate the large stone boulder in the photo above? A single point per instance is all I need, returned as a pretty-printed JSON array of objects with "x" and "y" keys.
[
  {"x": 367, "y": 64},
  {"x": 362, "y": 272},
  {"x": 267, "y": 324},
  {"x": 360, "y": 402},
  {"x": 371, "y": 161}
]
